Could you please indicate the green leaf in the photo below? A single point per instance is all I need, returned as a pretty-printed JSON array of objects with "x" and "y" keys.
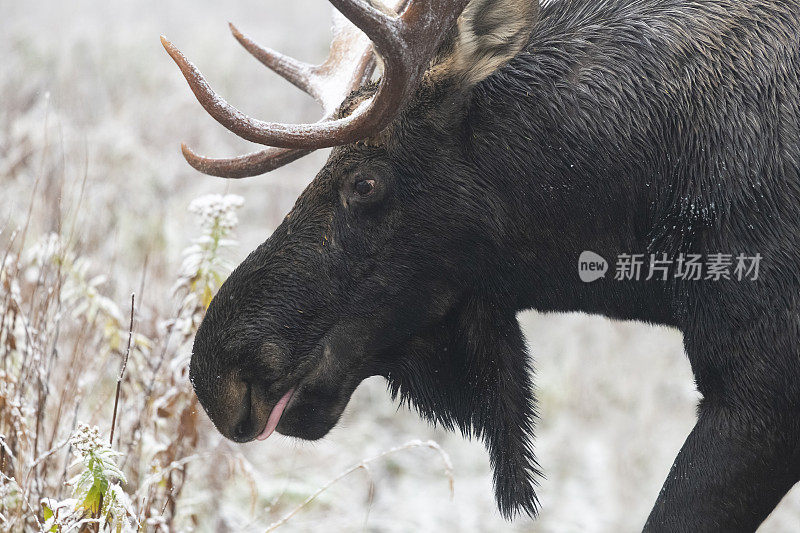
[
  {"x": 47, "y": 512},
  {"x": 92, "y": 500}
]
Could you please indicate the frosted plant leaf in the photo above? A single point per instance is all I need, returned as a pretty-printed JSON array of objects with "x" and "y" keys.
[
  {"x": 8, "y": 276},
  {"x": 44, "y": 251},
  {"x": 79, "y": 290},
  {"x": 10, "y": 493},
  {"x": 204, "y": 267},
  {"x": 119, "y": 509},
  {"x": 96, "y": 487},
  {"x": 60, "y": 515}
]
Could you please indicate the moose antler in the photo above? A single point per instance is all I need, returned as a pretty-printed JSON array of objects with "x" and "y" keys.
[
  {"x": 328, "y": 83},
  {"x": 406, "y": 43}
]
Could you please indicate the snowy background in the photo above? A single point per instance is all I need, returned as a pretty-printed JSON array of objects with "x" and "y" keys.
[{"x": 87, "y": 90}]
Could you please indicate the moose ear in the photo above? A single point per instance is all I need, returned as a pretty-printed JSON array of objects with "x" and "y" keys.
[{"x": 489, "y": 33}]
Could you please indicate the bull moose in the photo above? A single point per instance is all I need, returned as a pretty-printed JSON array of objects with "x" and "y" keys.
[{"x": 479, "y": 147}]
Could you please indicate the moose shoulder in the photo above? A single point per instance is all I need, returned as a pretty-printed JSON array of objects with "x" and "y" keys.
[{"x": 500, "y": 142}]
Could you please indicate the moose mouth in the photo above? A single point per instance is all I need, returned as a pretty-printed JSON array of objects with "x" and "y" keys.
[
  {"x": 308, "y": 409},
  {"x": 275, "y": 415}
]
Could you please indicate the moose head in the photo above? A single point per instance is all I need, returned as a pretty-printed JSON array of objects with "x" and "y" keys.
[{"x": 392, "y": 261}]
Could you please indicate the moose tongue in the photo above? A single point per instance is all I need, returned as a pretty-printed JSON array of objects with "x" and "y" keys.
[{"x": 275, "y": 415}]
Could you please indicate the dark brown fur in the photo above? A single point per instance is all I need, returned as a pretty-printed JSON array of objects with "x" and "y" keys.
[{"x": 622, "y": 126}]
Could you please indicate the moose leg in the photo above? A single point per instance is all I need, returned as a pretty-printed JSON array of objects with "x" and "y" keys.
[{"x": 733, "y": 469}]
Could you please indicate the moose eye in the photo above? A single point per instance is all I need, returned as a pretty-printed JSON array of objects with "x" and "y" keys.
[{"x": 364, "y": 187}]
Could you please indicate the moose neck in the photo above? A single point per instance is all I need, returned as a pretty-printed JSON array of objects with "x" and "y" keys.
[{"x": 566, "y": 163}]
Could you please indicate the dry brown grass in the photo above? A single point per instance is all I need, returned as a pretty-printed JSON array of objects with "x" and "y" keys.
[{"x": 61, "y": 344}]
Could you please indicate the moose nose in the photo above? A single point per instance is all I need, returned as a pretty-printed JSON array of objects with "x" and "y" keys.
[
  {"x": 237, "y": 405},
  {"x": 244, "y": 431},
  {"x": 246, "y": 427}
]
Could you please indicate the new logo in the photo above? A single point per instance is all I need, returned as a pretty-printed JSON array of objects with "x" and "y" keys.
[{"x": 591, "y": 267}]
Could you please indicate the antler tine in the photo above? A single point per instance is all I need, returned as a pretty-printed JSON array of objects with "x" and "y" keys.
[
  {"x": 346, "y": 45},
  {"x": 298, "y": 73},
  {"x": 244, "y": 166},
  {"x": 381, "y": 27},
  {"x": 324, "y": 82},
  {"x": 269, "y": 133}
]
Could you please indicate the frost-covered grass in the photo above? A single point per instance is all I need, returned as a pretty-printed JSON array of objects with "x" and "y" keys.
[{"x": 95, "y": 206}]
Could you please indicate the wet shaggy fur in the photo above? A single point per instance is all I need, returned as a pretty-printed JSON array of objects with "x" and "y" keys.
[{"x": 622, "y": 126}]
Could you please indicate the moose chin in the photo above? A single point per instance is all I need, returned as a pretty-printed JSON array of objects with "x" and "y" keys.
[{"x": 479, "y": 147}]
